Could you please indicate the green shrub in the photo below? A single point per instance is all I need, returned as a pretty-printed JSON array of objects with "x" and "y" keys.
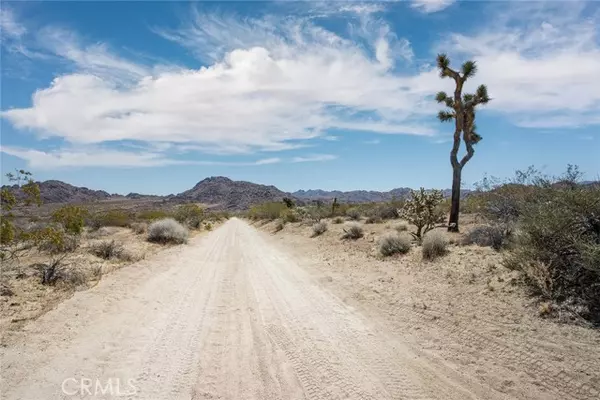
[
  {"x": 117, "y": 218},
  {"x": 353, "y": 213},
  {"x": 486, "y": 235},
  {"x": 208, "y": 226},
  {"x": 558, "y": 247},
  {"x": 71, "y": 218},
  {"x": 435, "y": 244},
  {"x": 269, "y": 211},
  {"x": 353, "y": 231},
  {"x": 290, "y": 215},
  {"x": 319, "y": 228},
  {"x": 151, "y": 215},
  {"x": 393, "y": 243},
  {"x": 167, "y": 231},
  {"x": 190, "y": 215},
  {"x": 338, "y": 220}
]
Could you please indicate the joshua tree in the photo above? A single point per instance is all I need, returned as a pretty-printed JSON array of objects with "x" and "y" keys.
[{"x": 462, "y": 111}]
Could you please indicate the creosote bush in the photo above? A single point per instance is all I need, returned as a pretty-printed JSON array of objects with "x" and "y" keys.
[
  {"x": 353, "y": 231},
  {"x": 190, "y": 215},
  {"x": 117, "y": 218},
  {"x": 486, "y": 235},
  {"x": 435, "y": 244},
  {"x": 269, "y": 211},
  {"x": 353, "y": 213},
  {"x": 167, "y": 231},
  {"x": 393, "y": 243},
  {"x": 338, "y": 220},
  {"x": 319, "y": 228},
  {"x": 290, "y": 215},
  {"x": 71, "y": 218}
]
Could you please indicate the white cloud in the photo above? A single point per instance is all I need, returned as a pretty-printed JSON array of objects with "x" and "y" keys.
[
  {"x": 9, "y": 26},
  {"x": 109, "y": 158},
  {"x": 314, "y": 158},
  {"x": 540, "y": 62},
  {"x": 431, "y": 6},
  {"x": 331, "y": 138},
  {"x": 372, "y": 141}
]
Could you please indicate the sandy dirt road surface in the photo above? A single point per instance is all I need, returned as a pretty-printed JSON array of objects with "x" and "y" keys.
[{"x": 233, "y": 316}]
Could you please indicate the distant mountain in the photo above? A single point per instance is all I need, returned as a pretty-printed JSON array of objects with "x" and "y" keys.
[
  {"x": 361, "y": 196},
  {"x": 61, "y": 192},
  {"x": 227, "y": 194}
]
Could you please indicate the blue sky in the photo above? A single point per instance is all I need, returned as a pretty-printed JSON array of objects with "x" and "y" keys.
[{"x": 152, "y": 97}]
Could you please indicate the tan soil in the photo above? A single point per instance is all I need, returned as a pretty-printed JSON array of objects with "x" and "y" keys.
[{"x": 241, "y": 314}]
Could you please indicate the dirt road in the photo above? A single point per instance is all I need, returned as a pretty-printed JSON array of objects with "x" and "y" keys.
[{"x": 229, "y": 316}]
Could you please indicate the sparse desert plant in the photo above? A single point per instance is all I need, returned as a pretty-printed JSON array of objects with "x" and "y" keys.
[
  {"x": 319, "y": 228},
  {"x": 290, "y": 215},
  {"x": 422, "y": 210},
  {"x": 167, "y": 231},
  {"x": 208, "y": 226},
  {"x": 279, "y": 226},
  {"x": 486, "y": 235},
  {"x": 401, "y": 227},
  {"x": 269, "y": 211},
  {"x": 353, "y": 231},
  {"x": 289, "y": 203},
  {"x": 52, "y": 240},
  {"x": 190, "y": 215},
  {"x": 338, "y": 220},
  {"x": 107, "y": 249},
  {"x": 71, "y": 218},
  {"x": 139, "y": 227},
  {"x": 435, "y": 244},
  {"x": 394, "y": 243},
  {"x": 374, "y": 219},
  {"x": 151, "y": 215},
  {"x": 117, "y": 218},
  {"x": 353, "y": 213}
]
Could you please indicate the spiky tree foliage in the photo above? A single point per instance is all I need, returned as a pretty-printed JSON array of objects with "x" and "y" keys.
[
  {"x": 461, "y": 108},
  {"x": 422, "y": 210}
]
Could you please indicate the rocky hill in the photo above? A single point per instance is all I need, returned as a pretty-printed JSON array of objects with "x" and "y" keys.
[
  {"x": 61, "y": 192},
  {"x": 230, "y": 195},
  {"x": 362, "y": 196}
]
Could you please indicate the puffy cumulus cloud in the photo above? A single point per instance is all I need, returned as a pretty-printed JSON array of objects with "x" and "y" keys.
[
  {"x": 271, "y": 89},
  {"x": 431, "y": 6},
  {"x": 541, "y": 63}
]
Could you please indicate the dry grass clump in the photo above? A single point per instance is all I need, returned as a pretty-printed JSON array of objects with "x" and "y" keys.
[
  {"x": 353, "y": 231},
  {"x": 167, "y": 231},
  {"x": 393, "y": 243},
  {"x": 435, "y": 244},
  {"x": 279, "y": 226},
  {"x": 401, "y": 227},
  {"x": 110, "y": 249},
  {"x": 319, "y": 228},
  {"x": 139, "y": 227},
  {"x": 338, "y": 220},
  {"x": 353, "y": 214},
  {"x": 374, "y": 219}
]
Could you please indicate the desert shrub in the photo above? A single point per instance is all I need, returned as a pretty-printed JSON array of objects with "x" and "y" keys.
[
  {"x": 384, "y": 211},
  {"x": 373, "y": 220},
  {"x": 290, "y": 215},
  {"x": 190, "y": 215},
  {"x": 353, "y": 213},
  {"x": 401, "y": 227},
  {"x": 435, "y": 244},
  {"x": 393, "y": 243},
  {"x": 151, "y": 215},
  {"x": 139, "y": 227},
  {"x": 422, "y": 210},
  {"x": 117, "y": 218},
  {"x": 353, "y": 231},
  {"x": 167, "y": 231},
  {"x": 319, "y": 228},
  {"x": 107, "y": 249},
  {"x": 269, "y": 211},
  {"x": 486, "y": 235},
  {"x": 338, "y": 220},
  {"x": 71, "y": 218},
  {"x": 52, "y": 240},
  {"x": 289, "y": 203},
  {"x": 279, "y": 226},
  {"x": 558, "y": 247},
  {"x": 208, "y": 226}
]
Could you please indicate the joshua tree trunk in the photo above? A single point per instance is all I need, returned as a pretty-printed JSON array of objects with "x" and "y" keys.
[{"x": 455, "y": 207}]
